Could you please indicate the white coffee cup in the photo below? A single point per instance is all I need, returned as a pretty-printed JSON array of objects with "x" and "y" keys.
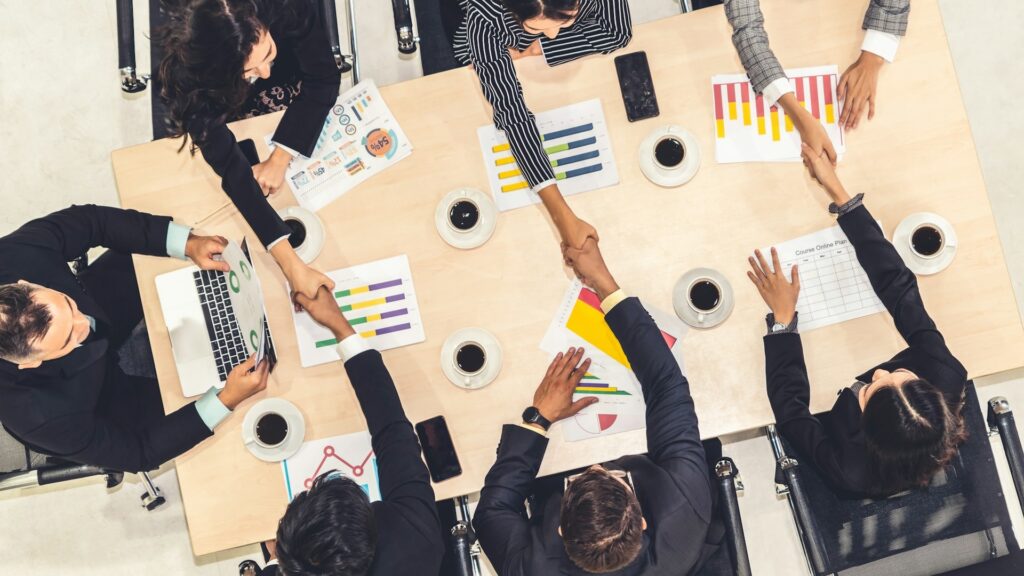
[
  {"x": 251, "y": 436},
  {"x": 925, "y": 228},
  {"x": 702, "y": 313}
]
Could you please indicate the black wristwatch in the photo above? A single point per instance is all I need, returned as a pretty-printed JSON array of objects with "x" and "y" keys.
[{"x": 533, "y": 416}]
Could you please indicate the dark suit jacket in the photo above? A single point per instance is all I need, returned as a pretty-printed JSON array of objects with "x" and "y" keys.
[
  {"x": 672, "y": 481},
  {"x": 303, "y": 34},
  {"x": 409, "y": 537},
  {"x": 835, "y": 444},
  {"x": 70, "y": 407}
]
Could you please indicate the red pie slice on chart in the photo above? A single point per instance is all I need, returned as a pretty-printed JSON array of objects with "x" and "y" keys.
[{"x": 606, "y": 420}]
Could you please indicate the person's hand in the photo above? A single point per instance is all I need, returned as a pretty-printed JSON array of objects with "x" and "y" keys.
[
  {"x": 307, "y": 281},
  {"x": 271, "y": 548},
  {"x": 857, "y": 88},
  {"x": 324, "y": 309},
  {"x": 778, "y": 293},
  {"x": 203, "y": 249},
  {"x": 553, "y": 398},
  {"x": 825, "y": 173},
  {"x": 531, "y": 50},
  {"x": 244, "y": 381},
  {"x": 589, "y": 266},
  {"x": 813, "y": 134},
  {"x": 269, "y": 174},
  {"x": 575, "y": 232}
]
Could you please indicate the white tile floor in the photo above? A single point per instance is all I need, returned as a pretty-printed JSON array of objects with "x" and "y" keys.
[{"x": 83, "y": 530}]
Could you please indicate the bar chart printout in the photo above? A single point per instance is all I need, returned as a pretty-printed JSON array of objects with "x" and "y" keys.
[
  {"x": 348, "y": 455},
  {"x": 833, "y": 286},
  {"x": 576, "y": 140},
  {"x": 746, "y": 130},
  {"x": 580, "y": 322},
  {"x": 378, "y": 299}
]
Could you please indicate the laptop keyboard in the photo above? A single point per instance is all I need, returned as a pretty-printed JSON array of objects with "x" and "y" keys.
[{"x": 225, "y": 337}]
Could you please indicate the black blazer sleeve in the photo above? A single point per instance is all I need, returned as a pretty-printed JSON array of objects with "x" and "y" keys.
[
  {"x": 896, "y": 287},
  {"x": 500, "y": 518},
  {"x": 90, "y": 438},
  {"x": 404, "y": 480},
  {"x": 221, "y": 152},
  {"x": 73, "y": 231},
  {"x": 321, "y": 81},
  {"x": 673, "y": 437}
]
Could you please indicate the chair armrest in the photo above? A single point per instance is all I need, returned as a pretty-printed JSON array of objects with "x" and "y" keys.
[
  {"x": 1000, "y": 418},
  {"x": 461, "y": 535},
  {"x": 63, "y": 473},
  {"x": 131, "y": 81},
  {"x": 728, "y": 477},
  {"x": 788, "y": 472}
]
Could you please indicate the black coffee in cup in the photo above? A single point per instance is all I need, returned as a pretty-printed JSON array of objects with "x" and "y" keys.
[
  {"x": 298, "y": 232},
  {"x": 271, "y": 429},
  {"x": 926, "y": 240},
  {"x": 464, "y": 215},
  {"x": 470, "y": 358},
  {"x": 669, "y": 152},
  {"x": 705, "y": 295}
]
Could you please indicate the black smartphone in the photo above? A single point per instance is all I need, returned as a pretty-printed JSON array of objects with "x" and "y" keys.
[
  {"x": 438, "y": 449},
  {"x": 249, "y": 150},
  {"x": 637, "y": 86}
]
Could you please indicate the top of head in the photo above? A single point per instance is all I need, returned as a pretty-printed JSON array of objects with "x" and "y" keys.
[{"x": 601, "y": 522}]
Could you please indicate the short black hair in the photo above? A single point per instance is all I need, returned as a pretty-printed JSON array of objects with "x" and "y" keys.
[
  {"x": 22, "y": 321},
  {"x": 328, "y": 531},
  {"x": 559, "y": 10}
]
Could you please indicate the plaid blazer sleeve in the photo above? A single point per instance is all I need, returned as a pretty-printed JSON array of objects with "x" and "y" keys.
[
  {"x": 751, "y": 42},
  {"x": 889, "y": 16}
]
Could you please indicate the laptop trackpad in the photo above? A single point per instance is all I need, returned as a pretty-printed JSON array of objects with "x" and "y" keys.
[{"x": 190, "y": 341}]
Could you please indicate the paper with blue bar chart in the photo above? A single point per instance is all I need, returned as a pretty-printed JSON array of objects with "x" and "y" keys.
[
  {"x": 378, "y": 299},
  {"x": 360, "y": 138},
  {"x": 347, "y": 455},
  {"x": 576, "y": 140}
]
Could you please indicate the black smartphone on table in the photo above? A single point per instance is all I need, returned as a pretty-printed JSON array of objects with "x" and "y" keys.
[
  {"x": 438, "y": 450},
  {"x": 637, "y": 86},
  {"x": 249, "y": 150}
]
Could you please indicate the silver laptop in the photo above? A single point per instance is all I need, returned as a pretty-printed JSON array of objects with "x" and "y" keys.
[{"x": 205, "y": 338}]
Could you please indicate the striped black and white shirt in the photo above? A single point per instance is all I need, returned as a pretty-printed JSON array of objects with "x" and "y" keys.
[{"x": 483, "y": 40}]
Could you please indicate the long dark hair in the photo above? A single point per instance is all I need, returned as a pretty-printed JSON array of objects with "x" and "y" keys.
[
  {"x": 560, "y": 10},
  {"x": 912, "y": 432}
]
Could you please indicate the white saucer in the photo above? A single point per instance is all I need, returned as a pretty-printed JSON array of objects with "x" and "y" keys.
[
  {"x": 475, "y": 236},
  {"x": 918, "y": 264},
  {"x": 314, "y": 242},
  {"x": 680, "y": 299},
  {"x": 670, "y": 177},
  {"x": 492, "y": 363},
  {"x": 296, "y": 429}
]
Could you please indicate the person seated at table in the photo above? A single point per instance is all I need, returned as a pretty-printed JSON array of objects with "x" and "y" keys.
[
  {"x": 899, "y": 422},
  {"x": 226, "y": 60},
  {"x": 884, "y": 23},
  {"x": 494, "y": 33},
  {"x": 62, "y": 390},
  {"x": 333, "y": 528},
  {"x": 643, "y": 514}
]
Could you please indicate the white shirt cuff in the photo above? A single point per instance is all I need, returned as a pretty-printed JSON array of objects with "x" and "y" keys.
[
  {"x": 881, "y": 43},
  {"x": 613, "y": 300},
  {"x": 544, "y": 185},
  {"x": 177, "y": 238},
  {"x": 211, "y": 410},
  {"x": 532, "y": 429},
  {"x": 777, "y": 89},
  {"x": 286, "y": 149},
  {"x": 272, "y": 244},
  {"x": 351, "y": 347}
]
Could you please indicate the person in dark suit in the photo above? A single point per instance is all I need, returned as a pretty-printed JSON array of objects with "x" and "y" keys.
[
  {"x": 899, "y": 422},
  {"x": 225, "y": 59},
  {"x": 645, "y": 514},
  {"x": 62, "y": 391},
  {"x": 333, "y": 528}
]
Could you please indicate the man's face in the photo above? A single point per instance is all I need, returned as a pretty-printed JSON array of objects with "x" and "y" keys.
[{"x": 68, "y": 327}]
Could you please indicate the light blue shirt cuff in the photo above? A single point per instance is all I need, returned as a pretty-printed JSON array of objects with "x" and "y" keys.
[
  {"x": 211, "y": 409},
  {"x": 177, "y": 237}
]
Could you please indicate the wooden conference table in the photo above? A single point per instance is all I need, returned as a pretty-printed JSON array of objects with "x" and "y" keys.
[{"x": 916, "y": 155}]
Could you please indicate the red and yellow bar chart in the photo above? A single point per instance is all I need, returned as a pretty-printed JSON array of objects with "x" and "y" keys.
[
  {"x": 746, "y": 132},
  {"x": 379, "y": 301}
]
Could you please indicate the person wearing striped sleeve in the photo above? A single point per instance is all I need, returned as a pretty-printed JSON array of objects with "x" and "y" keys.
[{"x": 493, "y": 33}]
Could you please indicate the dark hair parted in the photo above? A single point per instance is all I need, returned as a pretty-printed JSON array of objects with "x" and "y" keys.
[
  {"x": 22, "y": 321},
  {"x": 329, "y": 530},
  {"x": 911, "y": 433},
  {"x": 601, "y": 522},
  {"x": 559, "y": 10}
]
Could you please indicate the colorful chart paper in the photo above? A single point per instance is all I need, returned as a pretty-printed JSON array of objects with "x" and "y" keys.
[
  {"x": 348, "y": 455},
  {"x": 620, "y": 404},
  {"x": 360, "y": 138},
  {"x": 378, "y": 299},
  {"x": 748, "y": 131},
  {"x": 576, "y": 140}
]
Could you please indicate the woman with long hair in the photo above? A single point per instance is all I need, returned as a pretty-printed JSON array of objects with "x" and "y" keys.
[
  {"x": 218, "y": 66},
  {"x": 898, "y": 423},
  {"x": 493, "y": 33}
]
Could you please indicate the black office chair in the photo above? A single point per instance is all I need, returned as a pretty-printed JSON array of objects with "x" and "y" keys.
[{"x": 960, "y": 519}]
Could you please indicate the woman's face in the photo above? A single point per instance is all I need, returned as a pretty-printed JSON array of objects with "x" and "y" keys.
[
  {"x": 547, "y": 26},
  {"x": 882, "y": 378},
  {"x": 261, "y": 58}
]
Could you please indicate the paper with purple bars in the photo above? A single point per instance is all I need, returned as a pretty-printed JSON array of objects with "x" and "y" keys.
[{"x": 378, "y": 299}]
